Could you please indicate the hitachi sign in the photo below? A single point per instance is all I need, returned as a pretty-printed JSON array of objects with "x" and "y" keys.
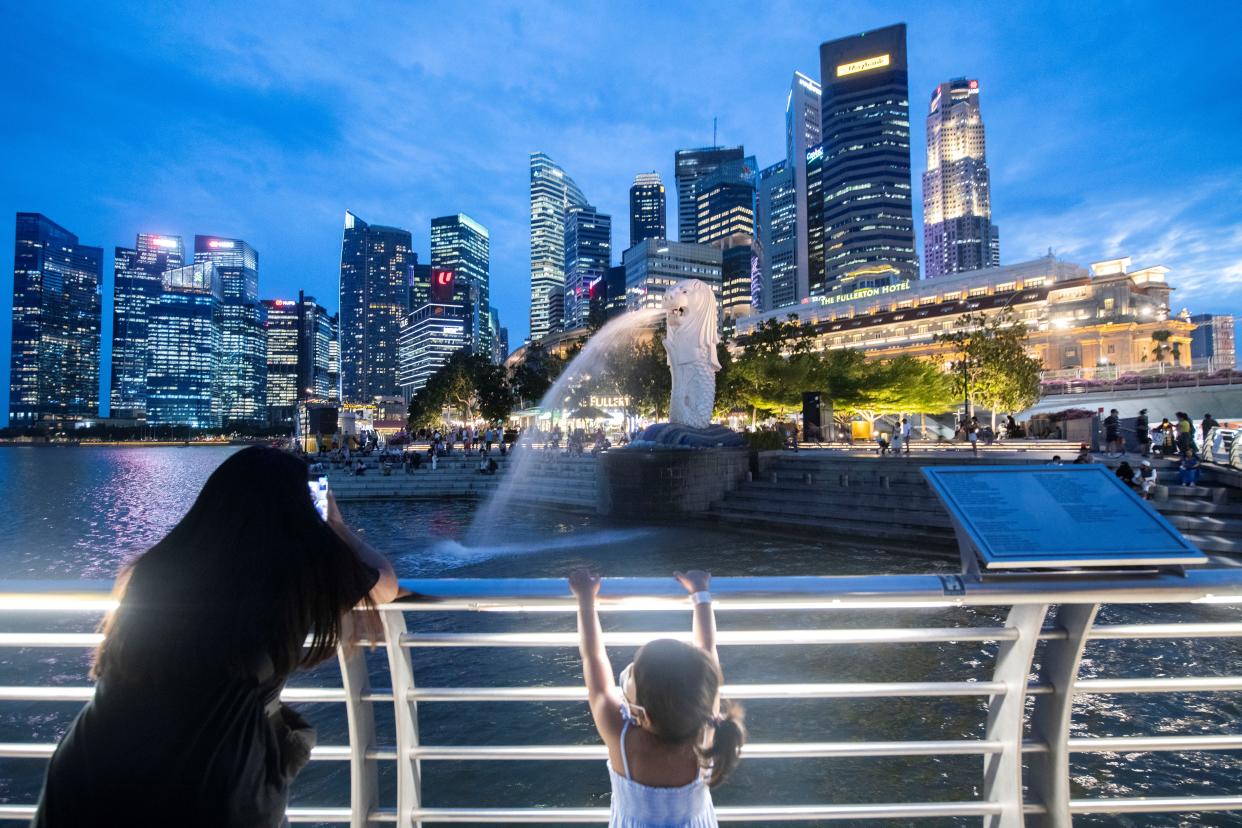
[{"x": 862, "y": 65}]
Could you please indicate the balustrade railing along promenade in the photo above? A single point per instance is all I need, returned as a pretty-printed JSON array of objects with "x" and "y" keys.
[{"x": 1049, "y": 622}]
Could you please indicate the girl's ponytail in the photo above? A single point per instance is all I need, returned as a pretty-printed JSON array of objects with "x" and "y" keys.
[{"x": 726, "y": 749}]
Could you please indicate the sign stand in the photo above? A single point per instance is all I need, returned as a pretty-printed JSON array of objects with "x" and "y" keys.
[{"x": 1024, "y": 520}]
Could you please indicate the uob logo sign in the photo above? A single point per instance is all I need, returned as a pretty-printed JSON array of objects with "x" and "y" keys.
[{"x": 442, "y": 285}]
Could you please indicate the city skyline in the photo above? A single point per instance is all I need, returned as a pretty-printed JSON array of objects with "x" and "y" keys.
[{"x": 1083, "y": 159}]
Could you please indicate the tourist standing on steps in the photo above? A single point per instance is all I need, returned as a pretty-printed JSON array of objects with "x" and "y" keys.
[
  {"x": 972, "y": 434},
  {"x": 1205, "y": 426},
  {"x": 905, "y": 434},
  {"x": 1112, "y": 435},
  {"x": 1168, "y": 438},
  {"x": 186, "y": 726},
  {"x": 670, "y": 737},
  {"x": 1185, "y": 433},
  {"x": 1142, "y": 432}
]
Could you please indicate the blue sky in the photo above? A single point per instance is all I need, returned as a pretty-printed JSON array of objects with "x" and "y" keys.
[{"x": 1112, "y": 128}]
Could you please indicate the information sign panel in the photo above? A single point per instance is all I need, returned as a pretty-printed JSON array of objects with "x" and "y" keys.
[{"x": 1024, "y": 517}]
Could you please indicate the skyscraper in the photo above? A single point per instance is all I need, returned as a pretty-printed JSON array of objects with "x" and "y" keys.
[
  {"x": 958, "y": 234},
  {"x": 431, "y": 334},
  {"x": 655, "y": 265},
  {"x": 137, "y": 281},
  {"x": 777, "y": 228},
  {"x": 375, "y": 295},
  {"x": 552, "y": 195},
  {"x": 54, "y": 364},
  {"x": 691, "y": 165},
  {"x": 868, "y": 223},
  {"x": 647, "y": 208},
  {"x": 803, "y": 130},
  {"x": 281, "y": 325},
  {"x": 1212, "y": 343},
  {"x": 420, "y": 282},
  {"x": 185, "y": 347},
  {"x": 243, "y": 382},
  {"x": 588, "y": 254},
  {"x": 299, "y": 349},
  {"x": 726, "y": 220},
  {"x": 460, "y": 245}
]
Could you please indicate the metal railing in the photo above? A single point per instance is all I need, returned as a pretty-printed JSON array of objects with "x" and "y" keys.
[{"x": 1049, "y": 622}]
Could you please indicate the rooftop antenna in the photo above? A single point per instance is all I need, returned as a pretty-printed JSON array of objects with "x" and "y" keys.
[{"x": 713, "y": 132}]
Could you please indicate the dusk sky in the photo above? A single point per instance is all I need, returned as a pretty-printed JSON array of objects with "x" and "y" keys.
[{"x": 1112, "y": 129}]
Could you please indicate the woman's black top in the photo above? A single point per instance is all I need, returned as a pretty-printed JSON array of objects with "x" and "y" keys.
[{"x": 192, "y": 749}]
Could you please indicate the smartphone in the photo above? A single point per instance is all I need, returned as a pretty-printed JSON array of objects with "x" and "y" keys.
[{"x": 319, "y": 494}]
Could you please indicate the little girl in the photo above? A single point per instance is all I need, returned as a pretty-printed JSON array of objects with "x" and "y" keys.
[{"x": 667, "y": 740}]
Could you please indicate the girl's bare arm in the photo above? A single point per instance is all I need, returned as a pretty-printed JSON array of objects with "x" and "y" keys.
[
  {"x": 703, "y": 626},
  {"x": 602, "y": 693}
]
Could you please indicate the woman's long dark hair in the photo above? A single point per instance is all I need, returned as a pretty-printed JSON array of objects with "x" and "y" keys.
[
  {"x": 246, "y": 575},
  {"x": 677, "y": 685}
]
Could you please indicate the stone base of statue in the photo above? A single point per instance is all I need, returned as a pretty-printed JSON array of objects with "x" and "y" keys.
[
  {"x": 663, "y": 484},
  {"x": 677, "y": 436}
]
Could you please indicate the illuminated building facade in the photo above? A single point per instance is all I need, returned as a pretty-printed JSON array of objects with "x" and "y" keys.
[
  {"x": 803, "y": 131},
  {"x": 588, "y": 255},
  {"x": 137, "y": 281},
  {"x": 374, "y": 298},
  {"x": 429, "y": 336},
  {"x": 283, "y": 335},
  {"x": 185, "y": 348},
  {"x": 726, "y": 219},
  {"x": 613, "y": 295},
  {"x": 244, "y": 372},
  {"x": 1212, "y": 343},
  {"x": 552, "y": 195},
  {"x": 420, "y": 282},
  {"x": 654, "y": 266},
  {"x": 690, "y": 166},
  {"x": 868, "y": 225},
  {"x": 460, "y": 244},
  {"x": 54, "y": 362},
  {"x": 958, "y": 234},
  {"x": 776, "y": 217},
  {"x": 1077, "y": 318},
  {"x": 300, "y": 337},
  {"x": 648, "y": 209}
]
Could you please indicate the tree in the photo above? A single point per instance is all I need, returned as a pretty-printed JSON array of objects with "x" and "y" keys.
[
  {"x": 640, "y": 375},
  {"x": 468, "y": 384},
  {"x": 904, "y": 384},
  {"x": 776, "y": 365},
  {"x": 534, "y": 375},
  {"x": 992, "y": 365}
]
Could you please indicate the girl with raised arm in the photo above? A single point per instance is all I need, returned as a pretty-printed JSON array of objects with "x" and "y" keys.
[{"x": 668, "y": 741}]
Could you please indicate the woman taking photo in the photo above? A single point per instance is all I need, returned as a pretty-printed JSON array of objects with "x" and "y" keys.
[{"x": 186, "y": 726}]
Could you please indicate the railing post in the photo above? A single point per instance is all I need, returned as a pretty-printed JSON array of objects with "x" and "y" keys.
[
  {"x": 409, "y": 773},
  {"x": 1050, "y": 720},
  {"x": 360, "y": 716},
  {"x": 1002, "y": 772}
]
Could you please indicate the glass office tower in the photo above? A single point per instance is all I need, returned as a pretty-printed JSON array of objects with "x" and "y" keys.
[
  {"x": 375, "y": 295},
  {"x": 552, "y": 195},
  {"x": 243, "y": 381},
  {"x": 588, "y": 254},
  {"x": 137, "y": 281},
  {"x": 461, "y": 245},
  {"x": 776, "y": 219},
  {"x": 54, "y": 362},
  {"x": 648, "y": 210},
  {"x": 689, "y": 167},
  {"x": 958, "y": 234},
  {"x": 185, "y": 349},
  {"x": 868, "y": 223},
  {"x": 803, "y": 131}
]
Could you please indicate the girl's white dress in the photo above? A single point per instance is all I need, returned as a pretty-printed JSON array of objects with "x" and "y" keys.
[{"x": 635, "y": 805}]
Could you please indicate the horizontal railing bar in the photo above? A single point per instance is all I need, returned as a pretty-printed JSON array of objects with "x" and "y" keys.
[
  {"x": 38, "y": 639},
  {"x": 322, "y": 753},
  {"x": 1127, "y": 631},
  {"x": 297, "y": 695},
  {"x": 1141, "y": 744},
  {"x": 858, "y": 690},
  {"x": 1221, "y": 585},
  {"x": 775, "y": 813},
  {"x": 897, "y": 635},
  {"x": 760, "y": 750},
  {"x": 11, "y": 813},
  {"x": 1156, "y": 805},
  {"x": 1205, "y": 684}
]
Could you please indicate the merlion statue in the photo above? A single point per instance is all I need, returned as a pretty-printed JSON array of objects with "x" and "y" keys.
[{"x": 691, "y": 346}]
